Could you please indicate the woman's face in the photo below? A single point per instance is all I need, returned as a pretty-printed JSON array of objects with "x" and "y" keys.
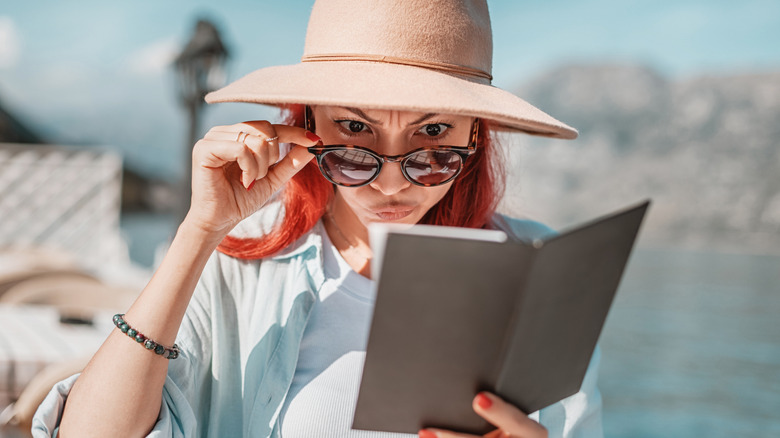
[{"x": 390, "y": 197}]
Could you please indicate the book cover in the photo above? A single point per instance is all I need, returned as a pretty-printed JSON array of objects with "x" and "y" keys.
[{"x": 459, "y": 311}]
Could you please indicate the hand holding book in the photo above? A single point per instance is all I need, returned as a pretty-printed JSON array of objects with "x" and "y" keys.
[{"x": 508, "y": 420}]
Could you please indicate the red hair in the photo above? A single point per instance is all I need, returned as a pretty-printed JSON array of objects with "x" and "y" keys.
[{"x": 470, "y": 202}]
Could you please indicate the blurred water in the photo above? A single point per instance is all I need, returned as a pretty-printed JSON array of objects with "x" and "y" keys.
[
  {"x": 692, "y": 347},
  {"x": 145, "y": 233}
]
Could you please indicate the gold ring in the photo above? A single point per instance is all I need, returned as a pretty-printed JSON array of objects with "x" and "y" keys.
[{"x": 241, "y": 139}]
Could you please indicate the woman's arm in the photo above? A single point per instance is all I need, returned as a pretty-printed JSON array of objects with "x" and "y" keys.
[
  {"x": 121, "y": 387},
  {"x": 122, "y": 384}
]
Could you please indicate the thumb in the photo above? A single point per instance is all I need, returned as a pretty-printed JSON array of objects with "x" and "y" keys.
[{"x": 288, "y": 166}]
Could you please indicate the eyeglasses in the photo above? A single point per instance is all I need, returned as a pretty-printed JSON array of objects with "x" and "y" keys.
[{"x": 356, "y": 166}]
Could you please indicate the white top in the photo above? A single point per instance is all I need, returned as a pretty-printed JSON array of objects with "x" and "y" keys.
[{"x": 322, "y": 398}]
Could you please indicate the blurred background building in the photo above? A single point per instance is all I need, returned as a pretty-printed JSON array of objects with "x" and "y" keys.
[{"x": 678, "y": 101}]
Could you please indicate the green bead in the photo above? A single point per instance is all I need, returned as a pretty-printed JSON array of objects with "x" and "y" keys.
[
  {"x": 159, "y": 349},
  {"x": 132, "y": 332},
  {"x": 124, "y": 327},
  {"x": 140, "y": 338},
  {"x": 149, "y": 344}
]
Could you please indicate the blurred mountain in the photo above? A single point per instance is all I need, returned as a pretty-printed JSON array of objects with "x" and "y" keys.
[
  {"x": 12, "y": 130},
  {"x": 704, "y": 148}
]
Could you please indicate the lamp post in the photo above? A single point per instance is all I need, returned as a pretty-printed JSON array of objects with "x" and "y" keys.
[{"x": 200, "y": 68}]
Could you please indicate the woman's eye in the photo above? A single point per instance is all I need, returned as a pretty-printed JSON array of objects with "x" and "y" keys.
[
  {"x": 353, "y": 125},
  {"x": 434, "y": 129}
]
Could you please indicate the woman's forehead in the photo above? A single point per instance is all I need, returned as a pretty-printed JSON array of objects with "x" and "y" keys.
[{"x": 383, "y": 116}]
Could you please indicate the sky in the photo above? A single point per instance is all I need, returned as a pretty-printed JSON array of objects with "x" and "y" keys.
[{"x": 97, "y": 72}]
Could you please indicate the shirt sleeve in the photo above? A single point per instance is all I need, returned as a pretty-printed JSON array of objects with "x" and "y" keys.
[
  {"x": 176, "y": 418},
  {"x": 187, "y": 386},
  {"x": 577, "y": 416},
  {"x": 523, "y": 229}
]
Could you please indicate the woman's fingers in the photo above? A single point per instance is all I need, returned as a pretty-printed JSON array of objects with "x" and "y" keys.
[
  {"x": 510, "y": 421},
  {"x": 505, "y": 416},
  {"x": 441, "y": 433},
  {"x": 217, "y": 153},
  {"x": 259, "y": 141},
  {"x": 256, "y": 141},
  {"x": 261, "y": 150},
  {"x": 291, "y": 164}
]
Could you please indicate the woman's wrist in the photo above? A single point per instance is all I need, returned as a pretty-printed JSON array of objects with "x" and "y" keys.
[{"x": 211, "y": 235}]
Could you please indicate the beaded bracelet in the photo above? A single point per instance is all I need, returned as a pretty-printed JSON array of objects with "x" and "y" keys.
[{"x": 168, "y": 353}]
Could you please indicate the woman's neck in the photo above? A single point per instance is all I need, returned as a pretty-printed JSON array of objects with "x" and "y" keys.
[{"x": 349, "y": 236}]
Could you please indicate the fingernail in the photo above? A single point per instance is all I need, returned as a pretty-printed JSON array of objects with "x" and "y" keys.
[
  {"x": 249, "y": 187},
  {"x": 312, "y": 136},
  {"x": 423, "y": 433},
  {"x": 483, "y": 401}
]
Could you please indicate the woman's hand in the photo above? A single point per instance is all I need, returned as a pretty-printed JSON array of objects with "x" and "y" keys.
[
  {"x": 510, "y": 421},
  {"x": 235, "y": 171}
]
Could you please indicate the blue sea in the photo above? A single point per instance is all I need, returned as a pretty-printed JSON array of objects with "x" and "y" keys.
[{"x": 691, "y": 346}]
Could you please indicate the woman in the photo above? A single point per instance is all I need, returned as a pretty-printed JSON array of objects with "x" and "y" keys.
[{"x": 262, "y": 351}]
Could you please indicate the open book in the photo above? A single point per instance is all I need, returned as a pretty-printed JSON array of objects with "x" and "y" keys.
[{"x": 461, "y": 310}]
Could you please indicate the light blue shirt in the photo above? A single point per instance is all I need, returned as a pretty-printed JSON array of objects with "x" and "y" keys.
[{"x": 240, "y": 340}]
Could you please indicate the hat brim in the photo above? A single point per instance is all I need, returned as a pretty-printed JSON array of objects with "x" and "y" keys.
[{"x": 363, "y": 84}]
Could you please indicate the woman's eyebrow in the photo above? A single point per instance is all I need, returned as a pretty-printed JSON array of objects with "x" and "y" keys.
[
  {"x": 360, "y": 113},
  {"x": 363, "y": 115},
  {"x": 421, "y": 119}
]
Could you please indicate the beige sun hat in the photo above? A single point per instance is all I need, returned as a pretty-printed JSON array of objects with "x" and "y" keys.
[{"x": 415, "y": 55}]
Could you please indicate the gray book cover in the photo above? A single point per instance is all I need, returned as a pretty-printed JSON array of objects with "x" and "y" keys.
[{"x": 458, "y": 315}]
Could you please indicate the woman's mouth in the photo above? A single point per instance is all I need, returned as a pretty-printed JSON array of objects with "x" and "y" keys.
[{"x": 393, "y": 213}]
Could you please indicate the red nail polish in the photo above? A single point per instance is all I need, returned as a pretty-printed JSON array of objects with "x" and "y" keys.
[
  {"x": 312, "y": 136},
  {"x": 251, "y": 184},
  {"x": 426, "y": 434},
  {"x": 483, "y": 401}
]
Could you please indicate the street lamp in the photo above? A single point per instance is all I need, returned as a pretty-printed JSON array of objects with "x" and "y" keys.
[{"x": 200, "y": 68}]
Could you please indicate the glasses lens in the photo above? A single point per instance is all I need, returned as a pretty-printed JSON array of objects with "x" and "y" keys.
[
  {"x": 432, "y": 167},
  {"x": 349, "y": 167}
]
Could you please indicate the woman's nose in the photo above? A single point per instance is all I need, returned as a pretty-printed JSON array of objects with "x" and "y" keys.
[{"x": 390, "y": 179}]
